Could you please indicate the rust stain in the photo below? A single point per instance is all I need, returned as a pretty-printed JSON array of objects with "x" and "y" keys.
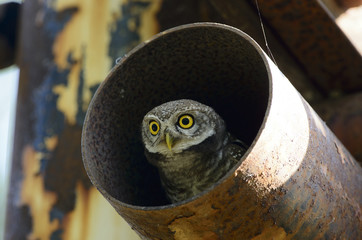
[
  {"x": 186, "y": 230},
  {"x": 273, "y": 232},
  {"x": 304, "y": 27},
  {"x": 34, "y": 195},
  {"x": 188, "y": 226},
  {"x": 93, "y": 218},
  {"x": 344, "y": 117},
  {"x": 86, "y": 38}
]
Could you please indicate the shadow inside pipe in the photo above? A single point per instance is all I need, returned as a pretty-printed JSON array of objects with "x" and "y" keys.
[{"x": 212, "y": 65}]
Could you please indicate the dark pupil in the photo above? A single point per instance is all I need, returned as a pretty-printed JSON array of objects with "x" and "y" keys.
[
  {"x": 154, "y": 127},
  {"x": 185, "y": 121}
]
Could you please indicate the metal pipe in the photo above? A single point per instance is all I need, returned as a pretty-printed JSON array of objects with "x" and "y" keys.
[
  {"x": 344, "y": 117},
  {"x": 9, "y": 22},
  {"x": 311, "y": 34},
  {"x": 296, "y": 181}
]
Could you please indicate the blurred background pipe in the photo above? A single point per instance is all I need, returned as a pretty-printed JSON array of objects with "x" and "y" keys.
[
  {"x": 65, "y": 51},
  {"x": 9, "y": 22},
  {"x": 296, "y": 181}
]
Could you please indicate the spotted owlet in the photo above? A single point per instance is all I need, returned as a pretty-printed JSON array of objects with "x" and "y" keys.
[{"x": 189, "y": 144}]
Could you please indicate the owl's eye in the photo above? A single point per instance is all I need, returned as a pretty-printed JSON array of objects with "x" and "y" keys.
[
  {"x": 154, "y": 127},
  {"x": 186, "y": 121}
]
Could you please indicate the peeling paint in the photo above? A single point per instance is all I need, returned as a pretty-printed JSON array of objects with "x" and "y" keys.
[
  {"x": 34, "y": 195},
  {"x": 67, "y": 101},
  {"x": 49, "y": 121},
  {"x": 93, "y": 218},
  {"x": 149, "y": 24},
  {"x": 86, "y": 37},
  {"x": 64, "y": 59},
  {"x": 51, "y": 142},
  {"x": 138, "y": 23}
]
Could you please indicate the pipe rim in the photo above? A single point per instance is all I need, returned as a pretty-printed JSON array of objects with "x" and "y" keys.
[{"x": 139, "y": 47}]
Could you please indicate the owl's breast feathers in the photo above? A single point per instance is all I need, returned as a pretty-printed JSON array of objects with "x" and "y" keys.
[{"x": 192, "y": 171}]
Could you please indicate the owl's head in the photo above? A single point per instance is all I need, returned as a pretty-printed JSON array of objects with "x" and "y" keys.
[{"x": 179, "y": 125}]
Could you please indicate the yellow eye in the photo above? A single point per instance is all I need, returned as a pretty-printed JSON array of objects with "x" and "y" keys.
[
  {"x": 154, "y": 127},
  {"x": 186, "y": 121}
]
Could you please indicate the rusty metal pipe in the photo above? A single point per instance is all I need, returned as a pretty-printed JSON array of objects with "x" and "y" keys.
[
  {"x": 296, "y": 181},
  {"x": 344, "y": 117}
]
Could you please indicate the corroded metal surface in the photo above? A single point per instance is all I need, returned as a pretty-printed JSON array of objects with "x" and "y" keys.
[
  {"x": 309, "y": 32},
  {"x": 297, "y": 181},
  {"x": 344, "y": 117},
  {"x": 349, "y": 3},
  {"x": 244, "y": 16}
]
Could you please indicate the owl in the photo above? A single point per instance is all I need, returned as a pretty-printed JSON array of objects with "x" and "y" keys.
[{"x": 188, "y": 143}]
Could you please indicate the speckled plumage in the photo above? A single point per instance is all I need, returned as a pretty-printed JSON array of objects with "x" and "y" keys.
[{"x": 196, "y": 157}]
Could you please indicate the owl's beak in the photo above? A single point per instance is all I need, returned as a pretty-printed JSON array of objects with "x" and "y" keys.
[{"x": 169, "y": 141}]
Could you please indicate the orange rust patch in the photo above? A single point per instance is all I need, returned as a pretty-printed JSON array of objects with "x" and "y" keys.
[{"x": 272, "y": 232}]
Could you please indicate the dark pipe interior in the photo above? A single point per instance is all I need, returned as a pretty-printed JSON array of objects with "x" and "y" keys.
[{"x": 212, "y": 65}]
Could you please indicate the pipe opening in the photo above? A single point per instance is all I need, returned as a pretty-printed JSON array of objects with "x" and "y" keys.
[{"x": 214, "y": 64}]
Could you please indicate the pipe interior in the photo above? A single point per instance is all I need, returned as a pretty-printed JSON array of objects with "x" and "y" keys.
[{"x": 213, "y": 65}]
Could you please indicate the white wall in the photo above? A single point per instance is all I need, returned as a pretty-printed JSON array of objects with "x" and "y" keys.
[{"x": 8, "y": 93}]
